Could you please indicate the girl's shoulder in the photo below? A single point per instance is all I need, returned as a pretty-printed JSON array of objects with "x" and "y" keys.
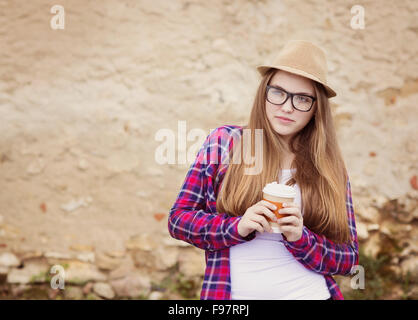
[
  {"x": 219, "y": 143},
  {"x": 226, "y": 132}
]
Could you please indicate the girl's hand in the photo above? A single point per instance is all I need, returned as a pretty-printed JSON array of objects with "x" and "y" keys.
[
  {"x": 292, "y": 225},
  {"x": 255, "y": 218}
]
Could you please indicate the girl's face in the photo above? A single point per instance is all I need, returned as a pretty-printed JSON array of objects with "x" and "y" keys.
[{"x": 292, "y": 83}]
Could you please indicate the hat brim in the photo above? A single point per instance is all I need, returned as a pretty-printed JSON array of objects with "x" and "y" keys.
[{"x": 263, "y": 69}]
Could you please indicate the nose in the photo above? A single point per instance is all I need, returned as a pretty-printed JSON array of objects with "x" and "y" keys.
[{"x": 287, "y": 106}]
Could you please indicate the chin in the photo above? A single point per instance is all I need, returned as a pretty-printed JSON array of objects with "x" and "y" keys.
[{"x": 282, "y": 132}]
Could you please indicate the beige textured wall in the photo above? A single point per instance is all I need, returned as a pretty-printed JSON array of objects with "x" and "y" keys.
[{"x": 79, "y": 107}]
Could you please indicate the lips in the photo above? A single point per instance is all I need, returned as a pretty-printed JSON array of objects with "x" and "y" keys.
[{"x": 284, "y": 118}]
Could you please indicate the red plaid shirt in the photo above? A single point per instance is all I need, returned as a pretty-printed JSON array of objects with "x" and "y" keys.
[{"x": 193, "y": 218}]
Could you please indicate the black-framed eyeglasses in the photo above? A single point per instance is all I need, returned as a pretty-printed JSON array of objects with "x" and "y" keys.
[{"x": 279, "y": 96}]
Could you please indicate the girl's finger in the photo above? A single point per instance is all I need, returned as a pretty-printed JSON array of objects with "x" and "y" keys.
[
  {"x": 262, "y": 221},
  {"x": 268, "y": 204},
  {"x": 289, "y": 220},
  {"x": 255, "y": 226},
  {"x": 265, "y": 211},
  {"x": 291, "y": 204},
  {"x": 294, "y": 211},
  {"x": 288, "y": 228}
]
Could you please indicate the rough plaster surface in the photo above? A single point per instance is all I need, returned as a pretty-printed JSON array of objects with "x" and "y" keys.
[{"x": 80, "y": 107}]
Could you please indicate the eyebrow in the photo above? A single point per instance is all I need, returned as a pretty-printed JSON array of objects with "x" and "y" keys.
[{"x": 279, "y": 87}]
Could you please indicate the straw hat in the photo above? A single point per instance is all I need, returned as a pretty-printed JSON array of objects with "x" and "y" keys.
[{"x": 303, "y": 58}]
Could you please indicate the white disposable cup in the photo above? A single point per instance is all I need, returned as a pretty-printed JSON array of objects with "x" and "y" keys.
[{"x": 278, "y": 194}]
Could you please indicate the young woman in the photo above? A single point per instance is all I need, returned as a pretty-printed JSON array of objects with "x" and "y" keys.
[{"x": 220, "y": 208}]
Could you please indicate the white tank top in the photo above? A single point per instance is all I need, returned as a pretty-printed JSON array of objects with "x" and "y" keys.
[{"x": 264, "y": 269}]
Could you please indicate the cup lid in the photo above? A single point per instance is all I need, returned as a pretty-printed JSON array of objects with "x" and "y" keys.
[{"x": 279, "y": 190}]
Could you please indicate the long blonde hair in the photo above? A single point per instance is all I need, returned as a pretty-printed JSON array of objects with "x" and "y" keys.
[{"x": 320, "y": 170}]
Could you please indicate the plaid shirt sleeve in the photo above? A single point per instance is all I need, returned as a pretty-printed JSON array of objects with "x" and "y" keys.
[
  {"x": 189, "y": 219},
  {"x": 319, "y": 254}
]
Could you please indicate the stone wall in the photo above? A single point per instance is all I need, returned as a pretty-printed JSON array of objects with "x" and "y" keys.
[{"x": 80, "y": 108}]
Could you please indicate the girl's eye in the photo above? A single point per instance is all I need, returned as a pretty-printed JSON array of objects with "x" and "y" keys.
[
  {"x": 278, "y": 92},
  {"x": 301, "y": 98}
]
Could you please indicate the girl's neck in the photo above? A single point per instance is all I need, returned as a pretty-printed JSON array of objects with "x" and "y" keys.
[{"x": 287, "y": 161}]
